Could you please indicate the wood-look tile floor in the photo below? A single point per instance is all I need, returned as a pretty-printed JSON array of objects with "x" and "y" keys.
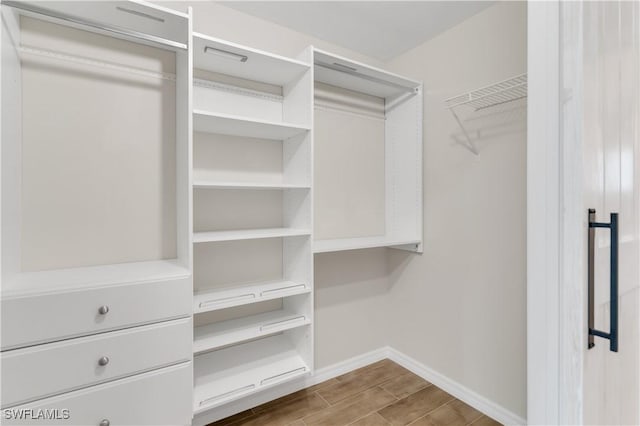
[{"x": 380, "y": 394}]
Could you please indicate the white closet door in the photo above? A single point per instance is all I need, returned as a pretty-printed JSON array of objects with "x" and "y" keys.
[{"x": 611, "y": 181}]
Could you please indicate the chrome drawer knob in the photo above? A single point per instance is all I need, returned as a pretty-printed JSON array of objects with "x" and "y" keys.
[
  {"x": 104, "y": 422},
  {"x": 103, "y": 310},
  {"x": 103, "y": 361}
]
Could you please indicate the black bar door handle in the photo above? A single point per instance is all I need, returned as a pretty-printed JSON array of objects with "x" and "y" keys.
[{"x": 612, "y": 335}]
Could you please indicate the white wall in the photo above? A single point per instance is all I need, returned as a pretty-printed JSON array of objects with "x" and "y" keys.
[
  {"x": 459, "y": 308},
  {"x": 351, "y": 287}
]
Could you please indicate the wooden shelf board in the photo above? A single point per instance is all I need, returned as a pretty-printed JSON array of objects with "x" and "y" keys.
[
  {"x": 228, "y": 374},
  {"x": 228, "y": 297},
  {"x": 342, "y": 244},
  {"x": 359, "y": 77},
  {"x": 203, "y": 184},
  {"x": 234, "y": 125},
  {"x": 260, "y": 66},
  {"x": 247, "y": 234},
  {"x": 225, "y": 333},
  {"x": 92, "y": 276}
]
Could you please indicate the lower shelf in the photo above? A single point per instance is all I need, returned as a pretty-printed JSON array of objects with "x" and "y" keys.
[
  {"x": 342, "y": 244},
  {"x": 229, "y": 374},
  {"x": 225, "y": 333}
]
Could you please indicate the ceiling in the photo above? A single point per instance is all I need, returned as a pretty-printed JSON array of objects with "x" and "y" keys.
[{"x": 380, "y": 29}]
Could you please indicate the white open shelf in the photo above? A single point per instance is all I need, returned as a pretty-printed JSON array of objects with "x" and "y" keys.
[
  {"x": 94, "y": 276},
  {"x": 231, "y": 373},
  {"x": 225, "y": 333},
  {"x": 203, "y": 184},
  {"x": 258, "y": 66},
  {"x": 347, "y": 74},
  {"x": 342, "y": 244},
  {"x": 228, "y": 297},
  {"x": 224, "y": 124},
  {"x": 247, "y": 234}
]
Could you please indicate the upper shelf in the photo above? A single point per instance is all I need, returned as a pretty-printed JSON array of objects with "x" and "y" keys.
[
  {"x": 343, "y": 244},
  {"x": 135, "y": 20},
  {"x": 244, "y": 62},
  {"x": 347, "y": 74},
  {"x": 225, "y": 124}
]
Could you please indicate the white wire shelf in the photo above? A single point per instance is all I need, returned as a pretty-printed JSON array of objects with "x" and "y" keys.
[{"x": 503, "y": 92}]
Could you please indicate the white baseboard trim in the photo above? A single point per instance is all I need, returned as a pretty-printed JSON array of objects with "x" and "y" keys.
[
  {"x": 461, "y": 392},
  {"x": 454, "y": 388},
  {"x": 320, "y": 375}
]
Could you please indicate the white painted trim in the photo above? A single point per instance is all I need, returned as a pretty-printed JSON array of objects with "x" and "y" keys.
[
  {"x": 543, "y": 213},
  {"x": 456, "y": 389},
  {"x": 319, "y": 376}
]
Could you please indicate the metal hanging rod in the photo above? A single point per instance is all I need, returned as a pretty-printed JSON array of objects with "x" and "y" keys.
[
  {"x": 95, "y": 25},
  {"x": 354, "y": 72},
  {"x": 93, "y": 62}
]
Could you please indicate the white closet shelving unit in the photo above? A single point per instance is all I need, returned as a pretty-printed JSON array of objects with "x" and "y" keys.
[
  {"x": 86, "y": 275},
  {"x": 252, "y": 207},
  {"x": 400, "y": 101}
]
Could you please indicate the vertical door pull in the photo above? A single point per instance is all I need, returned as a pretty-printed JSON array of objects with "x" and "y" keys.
[{"x": 613, "y": 281}]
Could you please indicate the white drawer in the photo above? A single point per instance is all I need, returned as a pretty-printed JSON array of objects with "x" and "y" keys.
[
  {"x": 40, "y": 371},
  {"x": 28, "y": 320},
  {"x": 159, "y": 397}
]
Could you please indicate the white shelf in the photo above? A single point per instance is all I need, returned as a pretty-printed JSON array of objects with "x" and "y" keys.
[
  {"x": 342, "y": 244},
  {"x": 225, "y": 333},
  {"x": 224, "y": 124},
  {"x": 246, "y": 185},
  {"x": 93, "y": 276},
  {"x": 347, "y": 74},
  {"x": 228, "y": 374},
  {"x": 259, "y": 66},
  {"x": 247, "y": 234},
  {"x": 228, "y": 297}
]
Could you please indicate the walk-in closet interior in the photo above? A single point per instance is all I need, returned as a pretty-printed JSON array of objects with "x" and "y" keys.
[{"x": 207, "y": 206}]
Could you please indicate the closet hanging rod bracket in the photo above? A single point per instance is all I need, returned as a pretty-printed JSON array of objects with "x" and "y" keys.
[{"x": 95, "y": 25}]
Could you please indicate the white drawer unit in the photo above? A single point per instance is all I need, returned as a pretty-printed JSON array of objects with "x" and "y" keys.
[
  {"x": 62, "y": 315},
  {"x": 44, "y": 370},
  {"x": 153, "y": 398}
]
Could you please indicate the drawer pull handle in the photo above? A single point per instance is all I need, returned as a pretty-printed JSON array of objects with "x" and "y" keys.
[
  {"x": 227, "y": 299},
  {"x": 103, "y": 310},
  {"x": 226, "y": 394},
  {"x": 104, "y": 422},
  {"x": 103, "y": 361},
  {"x": 282, "y": 376},
  {"x": 288, "y": 288},
  {"x": 281, "y": 322}
]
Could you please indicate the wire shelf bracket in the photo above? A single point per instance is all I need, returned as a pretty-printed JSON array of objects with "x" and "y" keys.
[{"x": 500, "y": 93}]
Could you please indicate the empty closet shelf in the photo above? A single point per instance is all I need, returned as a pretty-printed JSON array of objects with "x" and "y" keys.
[
  {"x": 231, "y": 373},
  {"x": 95, "y": 276},
  {"x": 225, "y": 333},
  {"x": 341, "y": 244},
  {"x": 213, "y": 54},
  {"x": 205, "y": 301},
  {"x": 208, "y": 122},
  {"x": 203, "y": 184},
  {"x": 247, "y": 234}
]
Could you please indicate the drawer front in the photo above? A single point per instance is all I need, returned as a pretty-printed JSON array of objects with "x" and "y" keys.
[
  {"x": 159, "y": 397},
  {"x": 44, "y": 318},
  {"x": 40, "y": 371}
]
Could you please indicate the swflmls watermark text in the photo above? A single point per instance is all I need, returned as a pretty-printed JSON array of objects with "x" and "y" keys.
[{"x": 36, "y": 414}]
